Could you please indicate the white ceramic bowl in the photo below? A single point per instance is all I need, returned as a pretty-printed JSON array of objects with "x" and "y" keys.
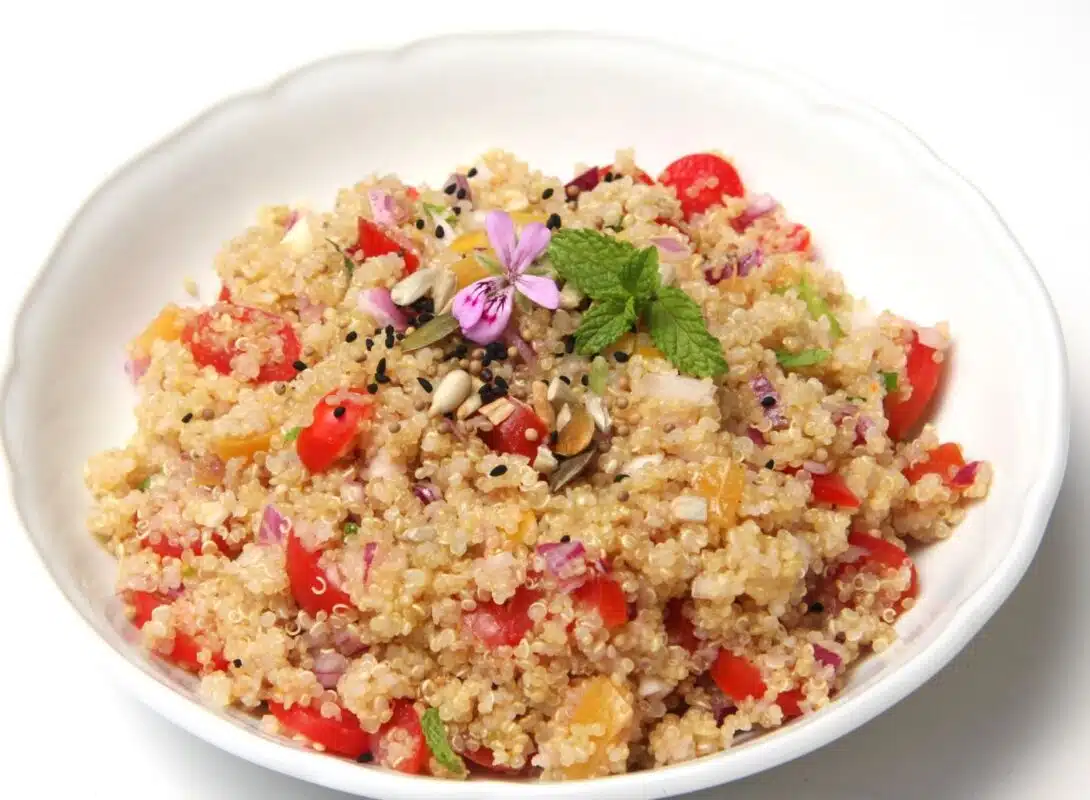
[{"x": 905, "y": 230}]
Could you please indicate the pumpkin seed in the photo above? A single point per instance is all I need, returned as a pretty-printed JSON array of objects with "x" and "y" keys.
[
  {"x": 576, "y": 435},
  {"x": 569, "y": 470},
  {"x": 430, "y": 332}
]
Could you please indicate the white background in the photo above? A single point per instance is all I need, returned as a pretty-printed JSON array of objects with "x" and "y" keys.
[{"x": 997, "y": 88}]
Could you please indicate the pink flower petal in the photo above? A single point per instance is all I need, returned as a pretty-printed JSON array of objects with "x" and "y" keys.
[
  {"x": 532, "y": 243},
  {"x": 501, "y": 235},
  {"x": 541, "y": 290},
  {"x": 470, "y": 302},
  {"x": 494, "y": 318}
]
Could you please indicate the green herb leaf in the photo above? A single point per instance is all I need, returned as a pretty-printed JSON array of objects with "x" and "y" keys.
[
  {"x": 436, "y": 737},
  {"x": 145, "y": 484},
  {"x": 349, "y": 264},
  {"x": 490, "y": 264},
  {"x": 804, "y": 358},
  {"x": 592, "y": 261},
  {"x": 679, "y": 331},
  {"x": 444, "y": 213},
  {"x": 818, "y": 308},
  {"x": 430, "y": 332},
  {"x": 604, "y": 323},
  {"x": 640, "y": 276},
  {"x": 599, "y": 369},
  {"x": 889, "y": 379},
  {"x": 351, "y": 529},
  {"x": 292, "y": 434}
]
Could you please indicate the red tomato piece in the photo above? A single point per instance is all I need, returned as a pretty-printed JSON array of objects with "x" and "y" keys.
[
  {"x": 679, "y": 628},
  {"x": 400, "y": 743},
  {"x": 336, "y": 428},
  {"x": 164, "y": 546},
  {"x": 639, "y": 176},
  {"x": 605, "y": 595},
  {"x": 510, "y": 435},
  {"x": 310, "y": 585},
  {"x": 143, "y": 604},
  {"x": 499, "y": 624},
  {"x": 737, "y": 677},
  {"x": 224, "y": 295},
  {"x": 832, "y": 489},
  {"x": 373, "y": 241},
  {"x": 789, "y": 703},
  {"x": 343, "y": 737},
  {"x": 923, "y": 373},
  {"x": 795, "y": 240},
  {"x": 185, "y": 648},
  {"x": 944, "y": 461},
  {"x": 482, "y": 757},
  {"x": 701, "y": 180},
  {"x": 213, "y": 349},
  {"x": 880, "y": 556}
]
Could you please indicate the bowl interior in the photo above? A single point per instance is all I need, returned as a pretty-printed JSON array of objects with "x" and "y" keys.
[{"x": 880, "y": 211}]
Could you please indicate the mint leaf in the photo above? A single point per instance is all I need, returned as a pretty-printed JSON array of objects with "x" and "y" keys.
[
  {"x": 351, "y": 528},
  {"x": 803, "y": 358},
  {"x": 599, "y": 370},
  {"x": 889, "y": 380},
  {"x": 436, "y": 737},
  {"x": 818, "y": 308},
  {"x": 591, "y": 260},
  {"x": 349, "y": 264},
  {"x": 145, "y": 484},
  {"x": 679, "y": 331},
  {"x": 604, "y": 323},
  {"x": 640, "y": 276},
  {"x": 292, "y": 434}
]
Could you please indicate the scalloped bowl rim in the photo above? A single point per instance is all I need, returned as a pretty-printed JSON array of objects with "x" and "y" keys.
[{"x": 833, "y": 722}]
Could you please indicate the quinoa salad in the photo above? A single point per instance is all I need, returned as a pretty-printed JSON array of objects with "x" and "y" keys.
[{"x": 525, "y": 476}]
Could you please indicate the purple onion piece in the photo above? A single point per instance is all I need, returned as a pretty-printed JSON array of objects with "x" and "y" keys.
[
  {"x": 426, "y": 492},
  {"x": 862, "y": 427},
  {"x": 369, "y": 550},
  {"x": 348, "y": 644},
  {"x": 756, "y": 436},
  {"x": 136, "y": 367},
  {"x": 758, "y": 206},
  {"x": 722, "y": 706},
  {"x": 559, "y": 555},
  {"x": 583, "y": 182},
  {"x": 721, "y": 272},
  {"x": 457, "y": 186},
  {"x": 966, "y": 476},
  {"x": 826, "y": 657},
  {"x": 762, "y": 387},
  {"x": 329, "y": 667},
  {"x": 274, "y": 527},
  {"x": 749, "y": 262}
]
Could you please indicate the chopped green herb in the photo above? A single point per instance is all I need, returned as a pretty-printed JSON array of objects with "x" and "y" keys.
[
  {"x": 292, "y": 434},
  {"x": 351, "y": 529},
  {"x": 804, "y": 358},
  {"x": 436, "y": 737},
  {"x": 889, "y": 379},
  {"x": 818, "y": 308},
  {"x": 349, "y": 264},
  {"x": 444, "y": 213},
  {"x": 430, "y": 332},
  {"x": 145, "y": 484},
  {"x": 599, "y": 369}
]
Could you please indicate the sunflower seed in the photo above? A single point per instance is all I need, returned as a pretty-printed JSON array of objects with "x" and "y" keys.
[
  {"x": 451, "y": 392},
  {"x": 408, "y": 290}
]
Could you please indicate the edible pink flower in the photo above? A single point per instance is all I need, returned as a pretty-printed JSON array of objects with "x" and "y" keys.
[{"x": 483, "y": 308}]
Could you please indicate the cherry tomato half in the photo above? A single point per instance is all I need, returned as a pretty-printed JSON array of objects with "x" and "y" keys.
[
  {"x": 923, "y": 373},
  {"x": 165, "y": 546},
  {"x": 339, "y": 423},
  {"x": 701, "y": 180},
  {"x": 343, "y": 737},
  {"x": 833, "y": 489},
  {"x": 310, "y": 584},
  {"x": 604, "y": 595},
  {"x": 499, "y": 624},
  {"x": 944, "y": 461},
  {"x": 211, "y": 348},
  {"x": 373, "y": 241},
  {"x": 400, "y": 743},
  {"x": 879, "y": 556},
  {"x": 510, "y": 435},
  {"x": 737, "y": 677}
]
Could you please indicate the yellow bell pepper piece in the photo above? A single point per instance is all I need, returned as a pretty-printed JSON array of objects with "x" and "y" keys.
[
  {"x": 469, "y": 270},
  {"x": 600, "y": 703},
  {"x": 721, "y": 482},
  {"x": 468, "y": 242},
  {"x": 167, "y": 327},
  {"x": 229, "y": 447}
]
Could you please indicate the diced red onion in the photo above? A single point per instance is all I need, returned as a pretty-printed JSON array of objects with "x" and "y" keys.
[
  {"x": 816, "y": 468},
  {"x": 749, "y": 262},
  {"x": 378, "y": 305},
  {"x": 566, "y": 562},
  {"x": 426, "y": 492},
  {"x": 827, "y": 657},
  {"x": 762, "y": 387},
  {"x": 721, "y": 272},
  {"x": 136, "y": 367},
  {"x": 384, "y": 209},
  {"x": 293, "y": 216},
  {"x": 585, "y": 181},
  {"x": 369, "y": 551},
  {"x": 966, "y": 476},
  {"x": 526, "y": 350},
  {"x": 348, "y": 644},
  {"x": 329, "y": 666},
  {"x": 274, "y": 527},
  {"x": 670, "y": 248},
  {"x": 758, "y": 205},
  {"x": 722, "y": 706},
  {"x": 756, "y": 436},
  {"x": 863, "y": 426},
  {"x": 458, "y": 181}
]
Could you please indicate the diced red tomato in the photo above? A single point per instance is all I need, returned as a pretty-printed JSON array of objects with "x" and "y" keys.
[
  {"x": 482, "y": 757},
  {"x": 604, "y": 595},
  {"x": 944, "y": 461},
  {"x": 167, "y": 547},
  {"x": 185, "y": 648},
  {"x": 639, "y": 176},
  {"x": 224, "y": 295},
  {"x": 679, "y": 628},
  {"x": 400, "y": 743},
  {"x": 832, "y": 489},
  {"x": 374, "y": 241},
  {"x": 343, "y": 737},
  {"x": 879, "y": 556},
  {"x": 412, "y": 192},
  {"x": 789, "y": 703},
  {"x": 336, "y": 428},
  {"x": 510, "y": 435},
  {"x": 499, "y": 624},
  {"x": 693, "y": 173},
  {"x": 310, "y": 585},
  {"x": 795, "y": 240},
  {"x": 923, "y": 374},
  {"x": 212, "y": 349},
  {"x": 737, "y": 677}
]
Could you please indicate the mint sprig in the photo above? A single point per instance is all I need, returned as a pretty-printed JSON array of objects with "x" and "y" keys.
[{"x": 625, "y": 285}]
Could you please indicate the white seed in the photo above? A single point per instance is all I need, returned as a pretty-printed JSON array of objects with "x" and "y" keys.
[
  {"x": 570, "y": 297},
  {"x": 559, "y": 392},
  {"x": 410, "y": 289},
  {"x": 451, "y": 392},
  {"x": 639, "y": 462},
  {"x": 563, "y": 418},
  {"x": 545, "y": 462},
  {"x": 470, "y": 406},
  {"x": 690, "y": 508},
  {"x": 498, "y": 410},
  {"x": 443, "y": 289},
  {"x": 598, "y": 412}
]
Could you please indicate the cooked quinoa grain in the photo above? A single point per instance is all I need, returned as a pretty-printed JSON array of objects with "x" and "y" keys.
[{"x": 582, "y": 572}]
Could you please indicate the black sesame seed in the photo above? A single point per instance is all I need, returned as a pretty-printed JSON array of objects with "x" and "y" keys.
[
  {"x": 569, "y": 344},
  {"x": 472, "y": 172},
  {"x": 381, "y": 365},
  {"x": 487, "y": 393},
  {"x": 338, "y": 412},
  {"x": 188, "y": 417},
  {"x": 461, "y": 195},
  {"x": 378, "y": 332},
  {"x": 439, "y": 232},
  {"x": 547, "y": 193},
  {"x": 370, "y": 343},
  {"x": 768, "y": 401},
  {"x": 383, "y": 378},
  {"x": 584, "y": 380},
  {"x": 423, "y": 304},
  {"x": 461, "y": 351},
  {"x": 424, "y": 317},
  {"x": 498, "y": 470},
  {"x": 400, "y": 336},
  {"x": 553, "y": 222},
  {"x": 299, "y": 366},
  {"x": 364, "y": 758},
  {"x": 608, "y": 177},
  {"x": 450, "y": 188},
  {"x": 389, "y": 341},
  {"x": 457, "y": 211},
  {"x": 565, "y": 539},
  {"x": 372, "y": 388},
  {"x": 389, "y": 330},
  {"x": 486, "y": 375},
  {"x": 566, "y": 379},
  {"x": 486, "y": 361},
  {"x": 554, "y": 437},
  {"x": 770, "y": 464},
  {"x": 501, "y": 391},
  {"x": 237, "y": 662},
  {"x": 621, "y": 356},
  {"x": 425, "y": 384},
  {"x": 620, "y": 476},
  {"x": 420, "y": 224},
  {"x": 351, "y": 337},
  {"x": 501, "y": 383},
  {"x": 816, "y": 608}
]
